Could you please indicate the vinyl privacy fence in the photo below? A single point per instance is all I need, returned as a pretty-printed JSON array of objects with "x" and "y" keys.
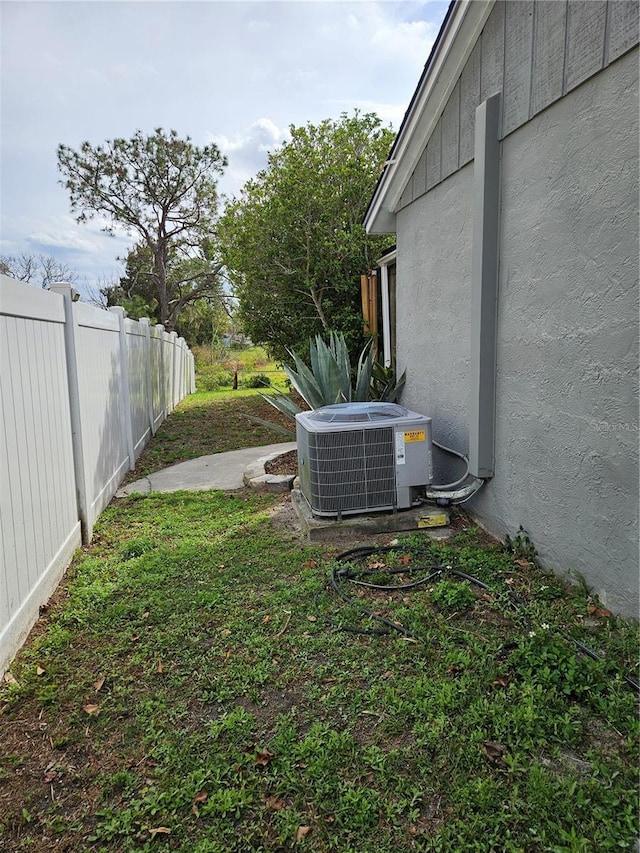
[{"x": 81, "y": 392}]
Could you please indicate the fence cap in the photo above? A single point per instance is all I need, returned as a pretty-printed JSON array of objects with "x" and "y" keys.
[{"x": 64, "y": 288}]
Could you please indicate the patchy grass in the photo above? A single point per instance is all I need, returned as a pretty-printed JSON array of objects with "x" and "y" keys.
[
  {"x": 216, "y": 367},
  {"x": 213, "y": 420},
  {"x": 187, "y": 692},
  {"x": 209, "y": 422}
]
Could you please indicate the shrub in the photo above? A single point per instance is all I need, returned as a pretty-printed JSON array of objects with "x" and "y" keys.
[
  {"x": 213, "y": 378},
  {"x": 259, "y": 380},
  {"x": 330, "y": 379}
]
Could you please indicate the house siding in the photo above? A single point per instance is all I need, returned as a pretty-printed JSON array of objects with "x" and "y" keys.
[
  {"x": 567, "y": 341},
  {"x": 433, "y": 305},
  {"x": 534, "y": 53}
]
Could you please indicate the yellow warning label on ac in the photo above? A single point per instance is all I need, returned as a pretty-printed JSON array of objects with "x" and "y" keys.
[{"x": 414, "y": 435}]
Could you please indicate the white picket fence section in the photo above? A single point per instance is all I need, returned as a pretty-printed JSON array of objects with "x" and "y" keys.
[{"x": 81, "y": 392}]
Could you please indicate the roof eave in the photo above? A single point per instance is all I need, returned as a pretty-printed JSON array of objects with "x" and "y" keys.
[{"x": 459, "y": 32}]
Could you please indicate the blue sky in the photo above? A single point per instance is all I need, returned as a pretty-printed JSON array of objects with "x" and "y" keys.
[{"x": 236, "y": 73}]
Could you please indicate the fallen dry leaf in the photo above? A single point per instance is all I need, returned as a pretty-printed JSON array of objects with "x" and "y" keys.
[
  {"x": 225, "y": 632},
  {"x": 266, "y": 619},
  {"x": 523, "y": 562},
  {"x": 97, "y": 685},
  {"x": 377, "y": 565},
  {"x": 599, "y": 611},
  {"x": 10, "y": 679},
  {"x": 91, "y": 709},
  {"x": 494, "y": 751},
  {"x": 312, "y": 618},
  {"x": 406, "y": 558},
  {"x": 302, "y": 832},
  {"x": 311, "y": 564},
  {"x": 500, "y": 682},
  {"x": 263, "y": 757},
  {"x": 275, "y": 804},
  {"x": 159, "y": 830},
  {"x": 160, "y": 669},
  {"x": 40, "y": 670},
  {"x": 199, "y": 798}
]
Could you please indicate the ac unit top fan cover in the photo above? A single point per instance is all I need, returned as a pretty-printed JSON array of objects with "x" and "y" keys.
[
  {"x": 357, "y": 413},
  {"x": 356, "y": 457}
]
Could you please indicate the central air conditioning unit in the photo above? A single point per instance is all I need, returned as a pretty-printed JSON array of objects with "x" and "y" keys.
[{"x": 361, "y": 457}]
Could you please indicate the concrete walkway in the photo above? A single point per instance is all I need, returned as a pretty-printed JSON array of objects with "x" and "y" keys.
[{"x": 218, "y": 471}]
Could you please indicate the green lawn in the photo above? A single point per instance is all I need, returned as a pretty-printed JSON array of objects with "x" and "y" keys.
[
  {"x": 190, "y": 689},
  {"x": 214, "y": 421},
  {"x": 210, "y": 422}
]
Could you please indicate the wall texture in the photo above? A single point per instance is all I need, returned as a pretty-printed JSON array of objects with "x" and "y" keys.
[
  {"x": 433, "y": 290},
  {"x": 567, "y": 359},
  {"x": 567, "y": 392},
  {"x": 534, "y": 53}
]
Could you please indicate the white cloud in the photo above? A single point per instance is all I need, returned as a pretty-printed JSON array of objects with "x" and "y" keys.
[
  {"x": 404, "y": 38},
  {"x": 247, "y": 151},
  {"x": 235, "y": 73},
  {"x": 259, "y": 26},
  {"x": 61, "y": 240}
]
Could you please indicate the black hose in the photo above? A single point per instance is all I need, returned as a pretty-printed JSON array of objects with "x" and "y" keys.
[{"x": 348, "y": 573}]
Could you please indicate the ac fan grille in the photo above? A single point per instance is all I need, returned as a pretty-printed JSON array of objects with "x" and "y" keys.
[{"x": 352, "y": 471}]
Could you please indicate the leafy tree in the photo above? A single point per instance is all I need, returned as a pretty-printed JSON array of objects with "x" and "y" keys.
[
  {"x": 135, "y": 291},
  {"x": 39, "y": 270},
  {"x": 293, "y": 242},
  {"x": 162, "y": 190}
]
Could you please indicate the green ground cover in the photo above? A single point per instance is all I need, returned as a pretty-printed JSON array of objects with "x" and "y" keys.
[
  {"x": 189, "y": 689},
  {"x": 214, "y": 419}
]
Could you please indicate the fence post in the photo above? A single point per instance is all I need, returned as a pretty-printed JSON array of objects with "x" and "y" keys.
[
  {"x": 146, "y": 328},
  {"x": 174, "y": 343},
  {"x": 179, "y": 370},
  {"x": 183, "y": 373},
  {"x": 125, "y": 391},
  {"x": 163, "y": 378},
  {"x": 70, "y": 296}
]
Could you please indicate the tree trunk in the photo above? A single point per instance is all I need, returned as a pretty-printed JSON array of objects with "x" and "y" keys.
[
  {"x": 160, "y": 270},
  {"x": 317, "y": 301}
]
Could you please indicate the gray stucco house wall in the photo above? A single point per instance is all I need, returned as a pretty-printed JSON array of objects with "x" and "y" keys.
[{"x": 567, "y": 329}]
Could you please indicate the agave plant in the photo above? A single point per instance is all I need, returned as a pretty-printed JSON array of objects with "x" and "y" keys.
[{"x": 329, "y": 379}]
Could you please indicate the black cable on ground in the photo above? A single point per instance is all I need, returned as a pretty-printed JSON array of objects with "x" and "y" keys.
[
  {"x": 435, "y": 570},
  {"x": 349, "y": 574},
  {"x": 585, "y": 650}
]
